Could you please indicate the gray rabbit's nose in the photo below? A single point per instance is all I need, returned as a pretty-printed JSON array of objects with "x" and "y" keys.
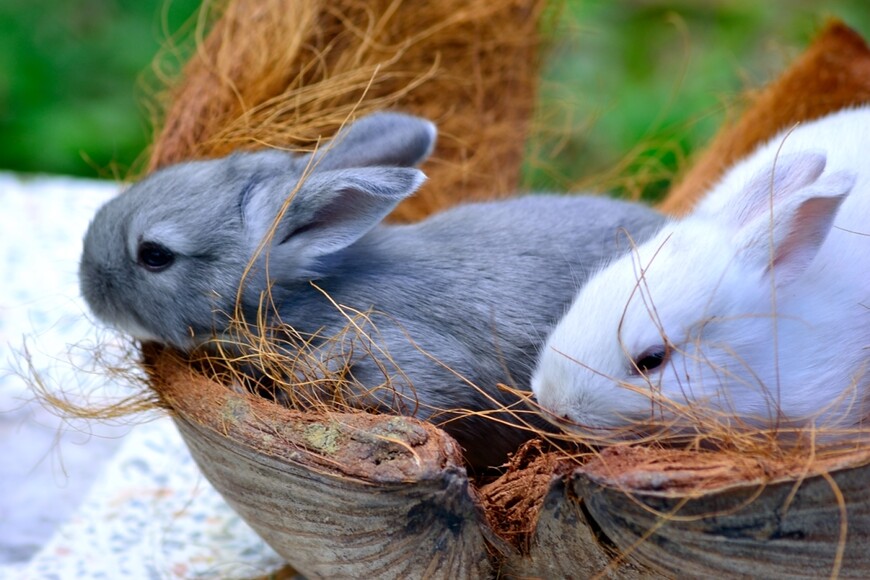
[
  {"x": 98, "y": 288},
  {"x": 94, "y": 285}
]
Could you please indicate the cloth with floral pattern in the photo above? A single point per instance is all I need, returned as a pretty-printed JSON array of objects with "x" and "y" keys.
[{"x": 83, "y": 499}]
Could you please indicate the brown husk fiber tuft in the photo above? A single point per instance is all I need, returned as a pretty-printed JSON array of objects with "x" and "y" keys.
[
  {"x": 286, "y": 73},
  {"x": 693, "y": 472},
  {"x": 512, "y": 502},
  {"x": 363, "y": 446}
]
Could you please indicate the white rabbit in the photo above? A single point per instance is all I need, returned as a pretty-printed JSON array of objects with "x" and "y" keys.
[
  {"x": 756, "y": 306},
  {"x": 456, "y": 299}
]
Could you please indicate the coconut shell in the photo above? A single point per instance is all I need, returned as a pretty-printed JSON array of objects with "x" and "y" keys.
[
  {"x": 344, "y": 495},
  {"x": 670, "y": 512}
]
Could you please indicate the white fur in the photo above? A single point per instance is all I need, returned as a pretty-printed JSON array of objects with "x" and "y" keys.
[{"x": 768, "y": 314}]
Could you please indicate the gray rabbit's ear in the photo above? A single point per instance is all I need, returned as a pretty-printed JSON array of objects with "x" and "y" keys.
[
  {"x": 333, "y": 209},
  {"x": 380, "y": 139}
]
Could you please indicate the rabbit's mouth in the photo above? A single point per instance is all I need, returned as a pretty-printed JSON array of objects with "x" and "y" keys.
[
  {"x": 128, "y": 324},
  {"x": 135, "y": 328},
  {"x": 137, "y": 331}
]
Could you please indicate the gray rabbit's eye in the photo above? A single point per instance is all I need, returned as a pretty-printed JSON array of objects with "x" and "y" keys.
[
  {"x": 650, "y": 359},
  {"x": 153, "y": 256}
]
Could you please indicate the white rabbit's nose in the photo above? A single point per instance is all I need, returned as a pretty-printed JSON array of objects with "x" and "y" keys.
[{"x": 550, "y": 397}]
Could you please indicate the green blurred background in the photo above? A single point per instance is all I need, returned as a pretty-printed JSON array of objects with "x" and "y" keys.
[{"x": 630, "y": 87}]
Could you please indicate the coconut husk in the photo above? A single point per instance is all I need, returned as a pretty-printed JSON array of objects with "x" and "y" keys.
[
  {"x": 287, "y": 73},
  {"x": 339, "y": 495},
  {"x": 833, "y": 73}
]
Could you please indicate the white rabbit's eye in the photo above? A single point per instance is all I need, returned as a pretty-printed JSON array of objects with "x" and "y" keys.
[
  {"x": 650, "y": 359},
  {"x": 153, "y": 256}
]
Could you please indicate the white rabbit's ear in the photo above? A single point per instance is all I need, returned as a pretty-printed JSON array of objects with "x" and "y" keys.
[
  {"x": 380, "y": 139},
  {"x": 333, "y": 209},
  {"x": 774, "y": 184},
  {"x": 785, "y": 238}
]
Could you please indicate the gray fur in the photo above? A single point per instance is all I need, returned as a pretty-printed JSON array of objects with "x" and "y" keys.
[{"x": 477, "y": 287}]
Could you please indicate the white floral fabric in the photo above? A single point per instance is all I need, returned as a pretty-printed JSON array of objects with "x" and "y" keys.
[{"x": 82, "y": 499}]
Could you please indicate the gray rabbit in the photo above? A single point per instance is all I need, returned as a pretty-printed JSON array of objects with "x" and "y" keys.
[{"x": 466, "y": 297}]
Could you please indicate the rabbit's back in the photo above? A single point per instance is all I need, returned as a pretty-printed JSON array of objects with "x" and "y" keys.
[{"x": 463, "y": 301}]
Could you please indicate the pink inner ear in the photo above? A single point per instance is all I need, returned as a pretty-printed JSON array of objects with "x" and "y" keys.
[{"x": 807, "y": 229}]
